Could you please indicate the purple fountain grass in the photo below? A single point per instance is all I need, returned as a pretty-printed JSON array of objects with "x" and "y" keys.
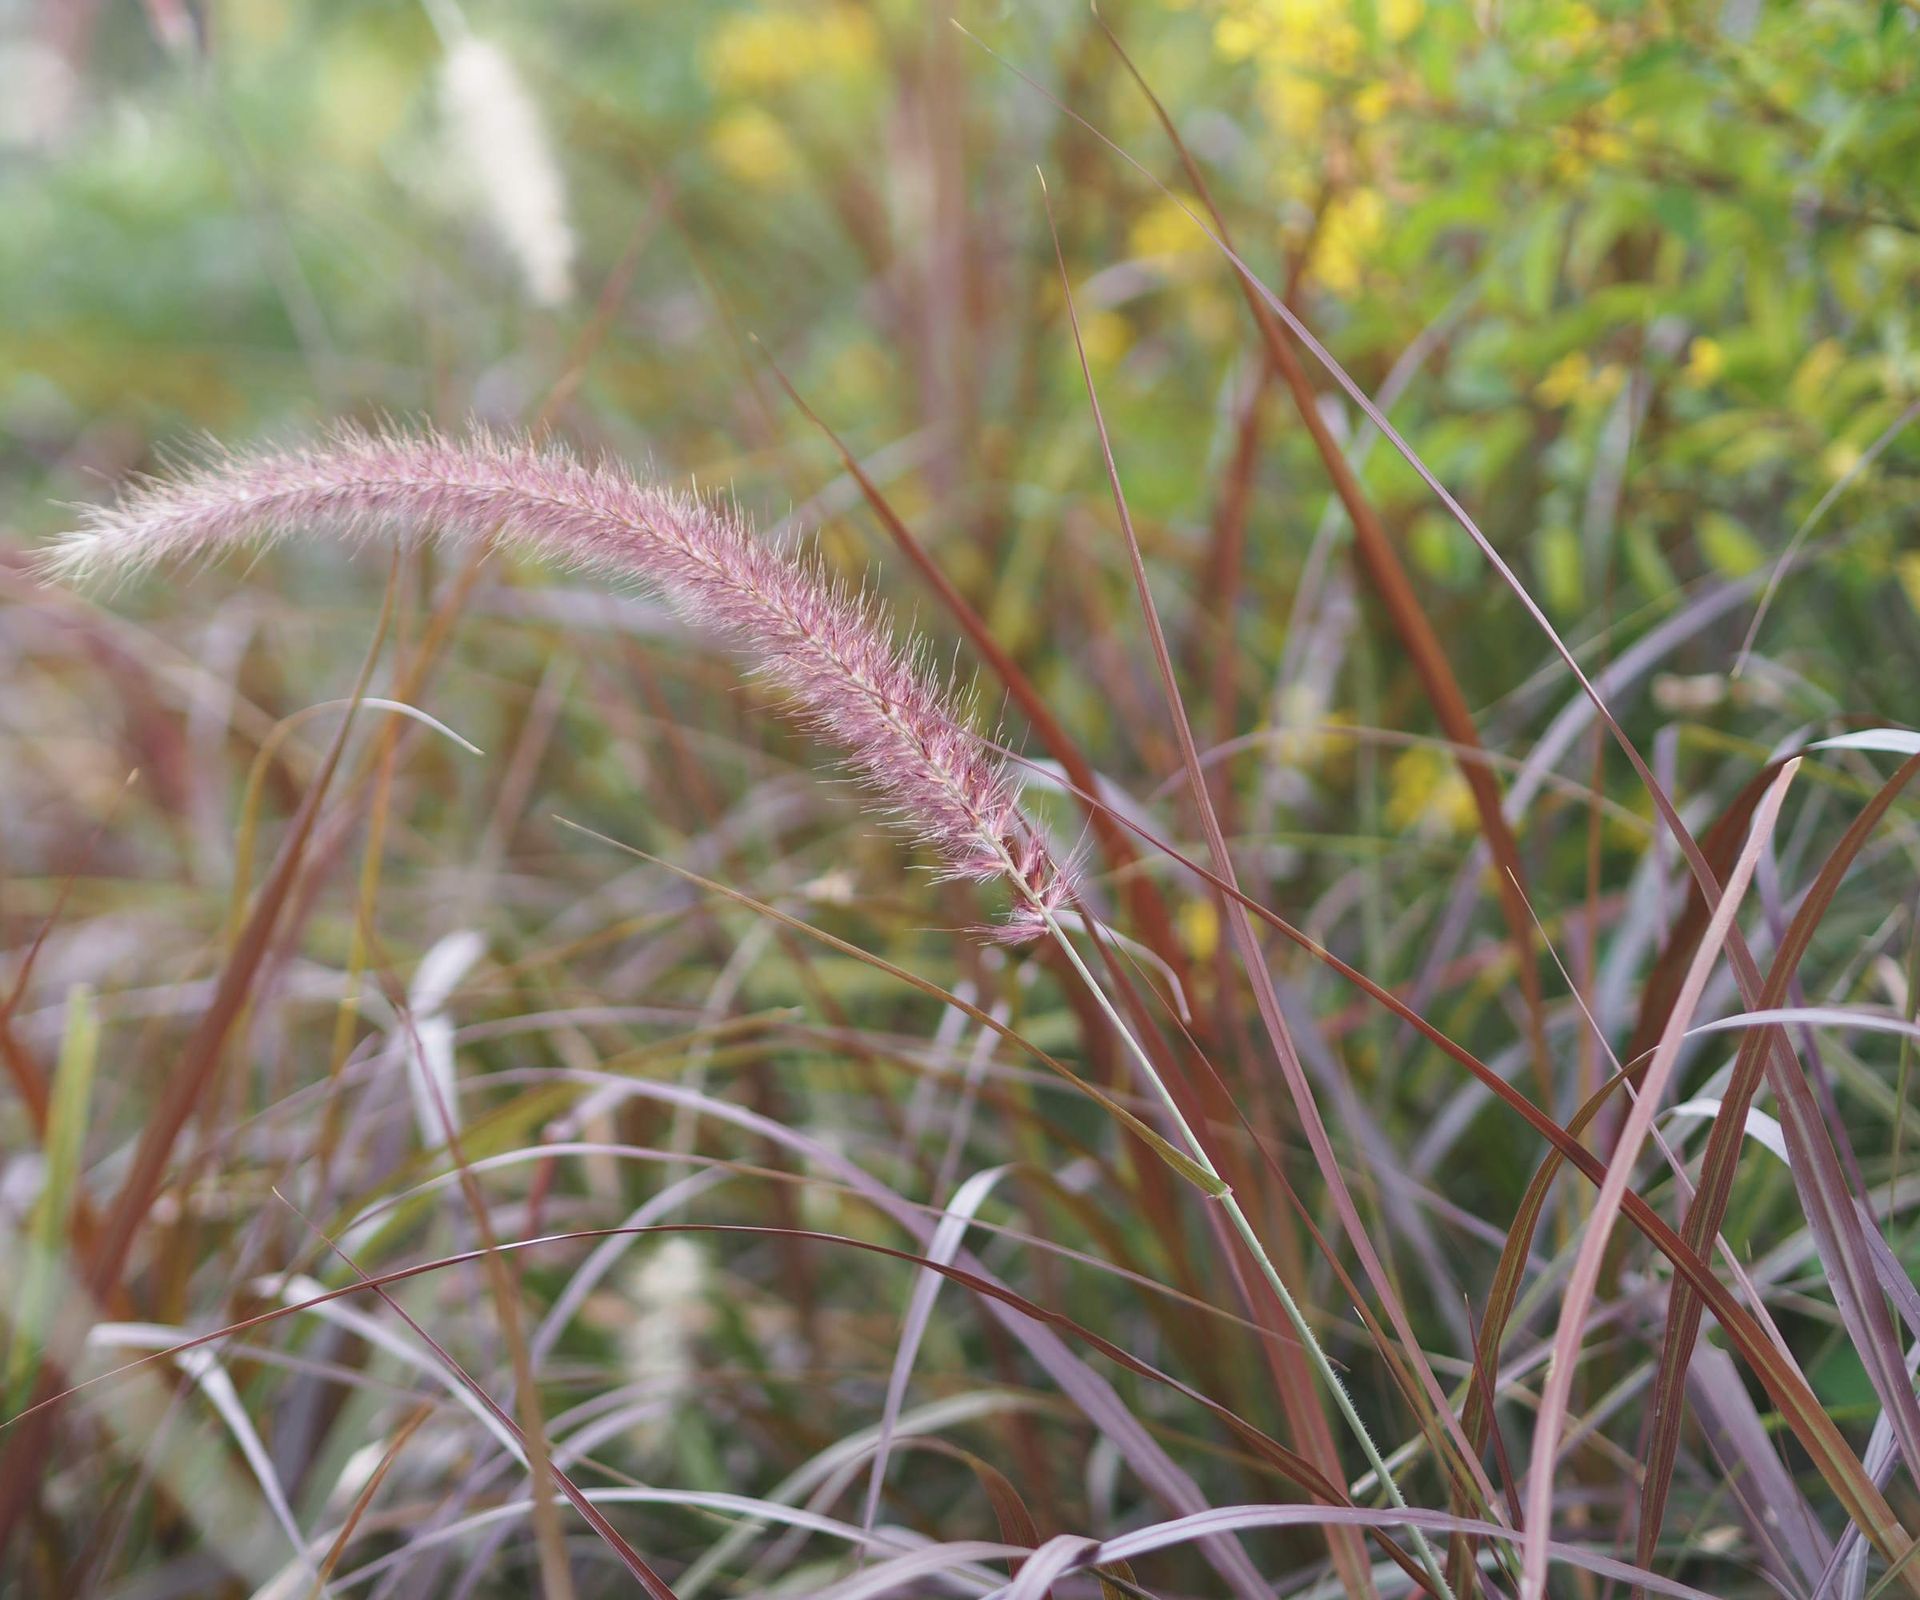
[{"x": 906, "y": 735}]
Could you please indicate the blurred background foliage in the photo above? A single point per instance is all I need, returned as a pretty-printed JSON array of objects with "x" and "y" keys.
[{"x": 1672, "y": 246}]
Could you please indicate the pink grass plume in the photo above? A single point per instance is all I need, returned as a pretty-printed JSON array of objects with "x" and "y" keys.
[{"x": 906, "y": 735}]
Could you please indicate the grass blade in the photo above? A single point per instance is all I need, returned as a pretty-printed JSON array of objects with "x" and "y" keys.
[
  {"x": 1585, "y": 1277},
  {"x": 1715, "y": 1187},
  {"x": 47, "y": 1225},
  {"x": 1388, "y": 576}
]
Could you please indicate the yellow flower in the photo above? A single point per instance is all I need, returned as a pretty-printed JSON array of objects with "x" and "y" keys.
[
  {"x": 1593, "y": 138},
  {"x": 1566, "y": 381},
  {"x": 846, "y": 40},
  {"x": 1237, "y": 36},
  {"x": 1107, "y": 336},
  {"x": 1705, "y": 362},
  {"x": 1372, "y": 103},
  {"x": 752, "y": 146},
  {"x": 1296, "y": 104},
  {"x": 1307, "y": 735},
  {"x": 1353, "y": 223},
  {"x": 1200, "y": 928},
  {"x": 1578, "y": 150},
  {"x": 1840, "y": 458},
  {"x": 754, "y": 51},
  {"x": 1580, "y": 26},
  {"x": 1302, "y": 47},
  {"x": 1398, "y": 18},
  {"x": 1165, "y": 230},
  {"x": 1427, "y": 796},
  {"x": 1574, "y": 379}
]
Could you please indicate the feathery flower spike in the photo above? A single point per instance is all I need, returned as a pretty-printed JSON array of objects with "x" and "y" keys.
[{"x": 828, "y": 648}]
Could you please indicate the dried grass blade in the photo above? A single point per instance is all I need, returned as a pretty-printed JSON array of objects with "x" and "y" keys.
[
  {"x": 1722, "y": 1154},
  {"x": 1252, "y": 957},
  {"x": 364, "y": 1499},
  {"x": 952, "y": 1229},
  {"x": 1388, "y": 575},
  {"x": 21, "y": 1462},
  {"x": 655, "y": 1586},
  {"x": 1803, "y": 1411},
  {"x": 1585, "y": 1277}
]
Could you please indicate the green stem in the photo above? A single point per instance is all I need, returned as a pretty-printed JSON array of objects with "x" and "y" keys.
[{"x": 1244, "y": 1228}]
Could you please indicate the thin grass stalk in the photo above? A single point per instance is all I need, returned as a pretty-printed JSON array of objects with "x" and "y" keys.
[
  {"x": 1266, "y": 1001},
  {"x": 1388, "y": 576},
  {"x": 1143, "y": 895},
  {"x": 1263, "y": 994},
  {"x": 1243, "y": 1226}
]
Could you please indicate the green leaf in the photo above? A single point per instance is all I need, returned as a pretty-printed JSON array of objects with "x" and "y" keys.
[
  {"x": 1729, "y": 549},
  {"x": 47, "y": 1224}
]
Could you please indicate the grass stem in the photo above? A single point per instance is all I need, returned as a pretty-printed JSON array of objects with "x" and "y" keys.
[{"x": 1243, "y": 1226}]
